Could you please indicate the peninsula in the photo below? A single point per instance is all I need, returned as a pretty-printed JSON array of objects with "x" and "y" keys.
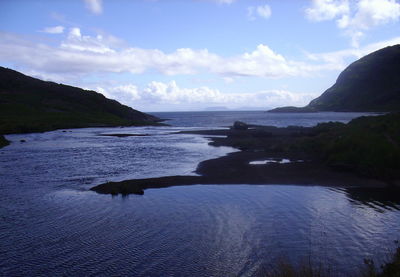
[
  {"x": 31, "y": 105},
  {"x": 363, "y": 153},
  {"x": 370, "y": 84}
]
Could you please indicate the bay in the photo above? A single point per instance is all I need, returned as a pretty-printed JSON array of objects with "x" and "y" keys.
[{"x": 51, "y": 225}]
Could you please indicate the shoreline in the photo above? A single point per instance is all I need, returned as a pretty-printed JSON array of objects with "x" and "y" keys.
[
  {"x": 3, "y": 141},
  {"x": 255, "y": 144},
  {"x": 239, "y": 173}
]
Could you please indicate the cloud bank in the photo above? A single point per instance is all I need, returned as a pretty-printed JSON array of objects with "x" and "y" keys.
[
  {"x": 82, "y": 54},
  {"x": 355, "y": 17},
  {"x": 79, "y": 55},
  {"x": 158, "y": 94}
]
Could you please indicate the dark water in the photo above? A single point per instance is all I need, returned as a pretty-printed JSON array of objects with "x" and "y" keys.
[
  {"x": 51, "y": 225},
  {"x": 224, "y": 118}
]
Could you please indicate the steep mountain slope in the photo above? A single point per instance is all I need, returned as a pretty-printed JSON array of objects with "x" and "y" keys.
[
  {"x": 29, "y": 105},
  {"x": 370, "y": 84}
]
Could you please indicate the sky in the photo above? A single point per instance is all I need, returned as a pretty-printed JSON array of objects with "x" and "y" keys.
[{"x": 195, "y": 55}]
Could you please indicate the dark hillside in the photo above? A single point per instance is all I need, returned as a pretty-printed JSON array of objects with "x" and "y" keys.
[
  {"x": 28, "y": 105},
  {"x": 370, "y": 84}
]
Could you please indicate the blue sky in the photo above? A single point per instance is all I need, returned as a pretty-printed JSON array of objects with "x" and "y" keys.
[{"x": 170, "y": 55}]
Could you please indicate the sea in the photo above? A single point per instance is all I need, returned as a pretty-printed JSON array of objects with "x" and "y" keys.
[{"x": 51, "y": 224}]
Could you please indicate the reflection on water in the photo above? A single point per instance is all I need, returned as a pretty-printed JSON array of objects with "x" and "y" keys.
[
  {"x": 381, "y": 199},
  {"x": 277, "y": 161},
  {"x": 51, "y": 225},
  {"x": 203, "y": 230}
]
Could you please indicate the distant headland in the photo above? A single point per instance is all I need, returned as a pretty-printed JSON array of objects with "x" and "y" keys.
[
  {"x": 370, "y": 84},
  {"x": 31, "y": 105}
]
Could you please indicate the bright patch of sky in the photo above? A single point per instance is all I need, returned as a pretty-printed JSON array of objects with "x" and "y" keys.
[{"x": 192, "y": 55}]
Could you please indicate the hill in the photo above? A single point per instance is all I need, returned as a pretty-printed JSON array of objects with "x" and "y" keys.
[
  {"x": 370, "y": 84},
  {"x": 31, "y": 105}
]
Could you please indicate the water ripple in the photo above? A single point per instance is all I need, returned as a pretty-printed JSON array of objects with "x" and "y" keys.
[{"x": 51, "y": 225}]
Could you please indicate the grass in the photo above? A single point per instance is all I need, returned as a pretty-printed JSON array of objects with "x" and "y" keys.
[
  {"x": 389, "y": 269},
  {"x": 369, "y": 146},
  {"x": 32, "y": 105},
  {"x": 284, "y": 269},
  {"x": 38, "y": 121}
]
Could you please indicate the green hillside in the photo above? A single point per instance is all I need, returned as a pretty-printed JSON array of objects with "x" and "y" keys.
[
  {"x": 369, "y": 145},
  {"x": 370, "y": 84},
  {"x": 31, "y": 105}
]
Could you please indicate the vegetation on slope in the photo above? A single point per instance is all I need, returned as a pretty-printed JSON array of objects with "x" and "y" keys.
[
  {"x": 367, "y": 145},
  {"x": 370, "y": 84},
  {"x": 32, "y": 105}
]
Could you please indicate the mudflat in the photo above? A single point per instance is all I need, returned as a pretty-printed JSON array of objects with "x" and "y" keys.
[{"x": 275, "y": 163}]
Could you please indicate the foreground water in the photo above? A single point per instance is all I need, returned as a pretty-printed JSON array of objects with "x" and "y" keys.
[{"x": 51, "y": 225}]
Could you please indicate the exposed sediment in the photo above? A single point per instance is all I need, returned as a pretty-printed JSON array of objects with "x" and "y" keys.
[{"x": 255, "y": 143}]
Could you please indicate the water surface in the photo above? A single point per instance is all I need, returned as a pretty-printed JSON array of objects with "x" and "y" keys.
[{"x": 52, "y": 225}]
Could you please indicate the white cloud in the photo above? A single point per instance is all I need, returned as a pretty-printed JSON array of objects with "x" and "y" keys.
[
  {"x": 263, "y": 11},
  {"x": 321, "y": 10},
  {"x": 355, "y": 18},
  {"x": 53, "y": 30},
  {"x": 339, "y": 59},
  {"x": 80, "y": 54},
  {"x": 262, "y": 62},
  {"x": 127, "y": 94},
  {"x": 375, "y": 12},
  {"x": 160, "y": 94},
  {"x": 75, "y": 32},
  {"x": 77, "y": 42},
  {"x": 369, "y": 13},
  {"x": 94, "y": 6}
]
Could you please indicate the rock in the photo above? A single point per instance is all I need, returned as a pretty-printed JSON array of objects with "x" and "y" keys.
[
  {"x": 3, "y": 141},
  {"x": 239, "y": 125}
]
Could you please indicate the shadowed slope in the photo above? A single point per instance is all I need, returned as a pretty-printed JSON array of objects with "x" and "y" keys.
[
  {"x": 30, "y": 105},
  {"x": 370, "y": 84}
]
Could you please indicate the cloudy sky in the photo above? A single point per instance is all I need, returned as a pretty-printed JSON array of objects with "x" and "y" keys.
[{"x": 167, "y": 55}]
